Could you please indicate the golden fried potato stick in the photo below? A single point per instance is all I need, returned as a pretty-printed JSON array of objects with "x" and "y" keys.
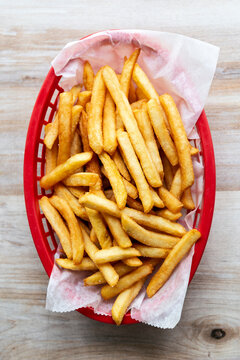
[
  {"x": 176, "y": 186},
  {"x": 64, "y": 126},
  {"x": 75, "y": 232},
  {"x": 121, "y": 165},
  {"x": 138, "y": 104},
  {"x": 168, "y": 171},
  {"x": 126, "y": 281},
  {"x": 88, "y": 76},
  {"x": 97, "y": 278},
  {"x": 117, "y": 231},
  {"x": 52, "y": 134},
  {"x": 143, "y": 83},
  {"x": 64, "y": 170},
  {"x": 93, "y": 238},
  {"x": 135, "y": 170},
  {"x": 57, "y": 224},
  {"x": 130, "y": 123},
  {"x": 86, "y": 264},
  {"x": 169, "y": 200},
  {"x": 76, "y": 146},
  {"x": 156, "y": 199},
  {"x": 100, "y": 204},
  {"x": 171, "y": 261},
  {"x": 76, "y": 112},
  {"x": 81, "y": 179},
  {"x": 180, "y": 139},
  {"x": 156, "y": 116},
  {"x": 109, "y": 125},
  {"x": 84, "y": 97},
  {"x": 124, "y": 299},
  {"x": 133, "y": 261},
  {"x": 115, "y": 253},
  {"x": 100, "y": 228},
  {"x": 75, "y": 90},
  {"x": 167, "y": 214},
  {"x": 152, "y": 252},
  {"x": 115, "y": 179},
  {"x": 95, "y": 135},
  {"x": 146, "y": 129},
  {"x": 107, "y": 269},
  {"x": 187, "y": 199},
  {"x": 64, "y": 193},
  {"x": 147, "y": 237},
  {"x": 155, "y": 222},
  {"x": 193, "y": 150},
  {"x": 140, "y": 94},
  {"x": 50, "y": 155}
]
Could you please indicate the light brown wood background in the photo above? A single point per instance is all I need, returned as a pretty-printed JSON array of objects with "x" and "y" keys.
[{"x": 31, "y": 34}]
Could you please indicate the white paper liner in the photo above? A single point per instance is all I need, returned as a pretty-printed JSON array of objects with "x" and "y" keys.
[{"x": 183, "y": 67}]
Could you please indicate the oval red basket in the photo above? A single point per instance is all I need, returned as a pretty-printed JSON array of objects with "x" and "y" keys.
[{"x": 34, "y": 163}]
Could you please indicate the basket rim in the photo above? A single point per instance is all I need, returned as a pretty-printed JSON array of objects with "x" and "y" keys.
[{"x": 31, "y": 201}]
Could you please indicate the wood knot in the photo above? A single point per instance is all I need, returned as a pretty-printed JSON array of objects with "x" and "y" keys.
[{"x": 218, "y": 334}]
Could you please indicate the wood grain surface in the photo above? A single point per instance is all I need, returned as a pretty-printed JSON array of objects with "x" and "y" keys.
[{"x": 31, "y": 34}]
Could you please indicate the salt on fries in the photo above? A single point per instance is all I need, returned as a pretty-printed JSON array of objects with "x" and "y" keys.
[{"x": 118, "y": 157}]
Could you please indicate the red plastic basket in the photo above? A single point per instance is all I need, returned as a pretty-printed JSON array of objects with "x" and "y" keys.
[{"x": 34, "y": 164}]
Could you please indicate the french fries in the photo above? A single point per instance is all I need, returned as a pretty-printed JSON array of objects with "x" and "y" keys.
[
  {"x": 64, "y": 126},
  {"x": 171, "y": 261},
  {"x": 180, "y": 139},
  {"x": 95, "y": 135},
  {"x": 64, "y": 170},
  {"x": 131, "y": 203},
  {"x": 147, "y": 237}
]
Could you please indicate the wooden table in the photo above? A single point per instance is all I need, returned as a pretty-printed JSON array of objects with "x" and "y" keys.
[{"x": 32, "y": 33}]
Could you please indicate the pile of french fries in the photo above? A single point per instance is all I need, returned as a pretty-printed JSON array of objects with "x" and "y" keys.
[{"x": 120, "y": 164}]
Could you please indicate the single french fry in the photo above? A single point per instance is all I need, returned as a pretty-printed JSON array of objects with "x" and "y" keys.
[
  {"x": 117, "y": 231},
  {"x": 168, "y": 171},
  {"x": 126, "y": 281},
  {"x": 176, "y": 186},
  {"x": 50, "y": 155},
  {"x": 77, "y": 191},
  {"x": 187, "y": 199},
  {"x": 155, "y": 222},
  {"x": 129, "y": 121},
  {"x": 107, "y": 269},
  {"x": 156, "y": 115},
  {"x": 86, "y": 264},
  {"x": 57, "y": 224},
  {"x": 109, "y": 125},
  {"x": 147, "y": 237},
  {"x": 64, "y": 126},
  {"x": 52, "y": 134},
  {"x": 169, "y": 200},
  {"x": 61, "y": 191},
  {"x": 180, "y": 139},
  {"x": 143, "y": 83},
  {"x": 76, "y": 146},
  {"x": 115, "y": 179},
  {"x": 193, "y": 150},
  {"x": 95, "y": 136},
  {"x": 75, "y": 232},
  {"x": 75, "y": 90},
  {"x": 64, "y": 170},
  {"x": 152, "y": 252},
  {"x": 93, "y": 237},
  {"x": 100, "y": 228},
  {"x": 135, "y": 170},
  {"x": 124, "y": 300},
  {"x": 88, "y": 76},
  {"x": 156, "y": 199},
  {"x": 115, "y": 253},
  {"x": 81, "y": 179},
  {"x": 167, "y": 214},
  {"x": 133, "y": 262},
  {"x": 171, "y": 261},
  {"x": 97, "y": 278},
  {"x": 121, "y": 165},
  {"x": 76, "y": 112},
  {"x": 126, "y": 75},
  {"x": 83, "y": 98},
  {"x": 103, "y": 205},
  {"x": 140, "y": 94},
  {"x": 146, "y": 129},
  {"x": 138, "y": 104}
]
